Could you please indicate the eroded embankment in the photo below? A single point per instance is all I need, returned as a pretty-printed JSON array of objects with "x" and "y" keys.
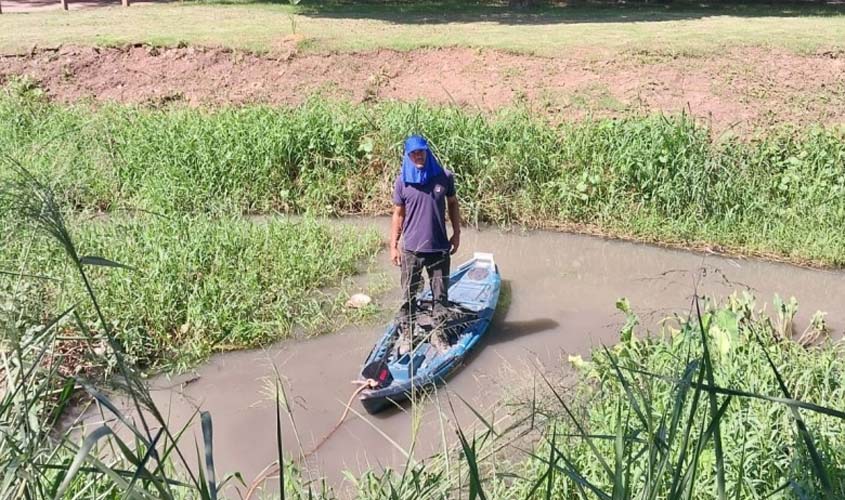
[{"x": 723, "y": 89}]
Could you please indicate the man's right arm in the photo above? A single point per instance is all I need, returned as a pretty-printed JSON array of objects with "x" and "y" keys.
[{"x": 396, "y": 233}]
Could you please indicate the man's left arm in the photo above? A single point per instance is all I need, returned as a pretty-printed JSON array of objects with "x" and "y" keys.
[{"x": 455, "y": 217}]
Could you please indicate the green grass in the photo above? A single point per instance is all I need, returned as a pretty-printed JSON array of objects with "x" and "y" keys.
[
  {"x": 652, "y": 178},
  {"x": 200, "y": 284},
  {"x": 45, "y": 369},
  {"x": 763, "y": 447},
  {"x": 547, "y": 31}
]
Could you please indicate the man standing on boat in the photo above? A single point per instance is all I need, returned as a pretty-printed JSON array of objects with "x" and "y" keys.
[{"x": 422, "y": 193}]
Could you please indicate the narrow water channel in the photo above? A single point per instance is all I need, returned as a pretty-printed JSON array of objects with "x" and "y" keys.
[{"x": 560, "y": 291}]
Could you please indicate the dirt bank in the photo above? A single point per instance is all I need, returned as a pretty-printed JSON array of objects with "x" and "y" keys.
[{"x": 723, "y": 89}]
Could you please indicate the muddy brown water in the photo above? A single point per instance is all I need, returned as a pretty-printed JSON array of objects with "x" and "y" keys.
[{"x": 559, "y": 299}]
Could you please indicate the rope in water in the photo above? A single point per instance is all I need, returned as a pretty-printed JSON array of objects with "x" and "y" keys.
[
  {"x": 274, "y": 468},
  {"x": 364, "y": 384}
]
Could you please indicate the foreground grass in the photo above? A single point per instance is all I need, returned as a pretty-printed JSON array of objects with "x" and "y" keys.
[
  {"x": 547, "y": 31},
  {"x": 642, "y": 396},
  {"x": 199, "y": 284},
  {"x": 652, "y": 178}
]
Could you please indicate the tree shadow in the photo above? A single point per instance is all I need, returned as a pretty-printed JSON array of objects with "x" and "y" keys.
[
  {"x": 21, "y": 6},
  {"x": 442, "y": 12}
]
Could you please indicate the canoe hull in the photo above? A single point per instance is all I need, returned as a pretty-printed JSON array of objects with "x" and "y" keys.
[{"x": 473, "y": 293}]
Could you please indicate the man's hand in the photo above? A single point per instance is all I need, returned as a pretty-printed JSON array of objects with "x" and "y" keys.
[
  {"x": 395, "y": 233},
  {"x": 455, "y": 217},
  {"x": 455, "y": 240}
]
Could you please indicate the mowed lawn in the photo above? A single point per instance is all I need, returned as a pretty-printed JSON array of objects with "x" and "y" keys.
[{"x": 550, "y": 31}]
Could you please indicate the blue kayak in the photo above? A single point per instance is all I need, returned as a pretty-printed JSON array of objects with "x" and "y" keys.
[{"x": 473, "y": 295}]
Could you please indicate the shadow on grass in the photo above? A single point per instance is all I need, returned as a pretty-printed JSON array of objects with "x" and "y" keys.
[{"x": 442, "y": 12}]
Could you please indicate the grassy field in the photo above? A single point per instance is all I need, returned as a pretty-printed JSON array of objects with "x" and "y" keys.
[{"x": 551, "y": 31}]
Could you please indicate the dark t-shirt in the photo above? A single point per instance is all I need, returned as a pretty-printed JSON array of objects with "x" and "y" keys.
[{"x": 424, "y": 229}]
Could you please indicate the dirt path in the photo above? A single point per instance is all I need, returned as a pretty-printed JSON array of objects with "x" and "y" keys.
[{"x": 780, "y": 87}]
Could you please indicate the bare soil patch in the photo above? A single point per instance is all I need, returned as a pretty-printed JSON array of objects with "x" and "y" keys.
[{"x": 742, "y": 90}]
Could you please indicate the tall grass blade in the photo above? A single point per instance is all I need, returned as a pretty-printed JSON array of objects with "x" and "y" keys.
[
  {"x": 160, "y": 483},
  {"x": 475, "y": 488},
  {"x": 533, "y": 399},
  {"x": 724, "y": 391},
  {"x": 572, "y": 471},
  {"x": 279, "y": 448},
  {"x": 779, "y": 489},
  {"x": 678, "y": 474},
  {"x": 63, "y": 402},
  {"x": 689, "y": 483},
  {"x": 90, "y": 260},
  {"x": 106, "y": 402},
  {"x": 542, "y": 477},
  {"x": 141, "y": 470},
  {"x": 81, "y": 454},
  {"x": 203, "y": 485},
  {"x": 26, "y": 275},
  {"x": 818, "y": 467},
  {"x": 478, "y": 415},
  {"x": 800, "y": 492},
  {"x": 207, "y": 435},
  {"x": 705, "y": 436},
  {"x": 123, "y": 473},
  {"x": 619, "y": 457},
  {"x": 682, "y": 388},
  {"x": 635, "y": 405},
  {"x": 740, "y": 476},
  {"x": 717, "y": 435},
  {"x": 550, "y": 475},
  {"x": 578, "y": 425}
]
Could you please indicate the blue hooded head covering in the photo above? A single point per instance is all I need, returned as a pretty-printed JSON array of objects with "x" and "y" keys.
[{"x": 410, "y": 173}]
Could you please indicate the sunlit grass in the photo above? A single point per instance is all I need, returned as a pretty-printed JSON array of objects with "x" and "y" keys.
[
  {"x": 200, "y": 284},
  {"x": 546, "y": 31}
]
